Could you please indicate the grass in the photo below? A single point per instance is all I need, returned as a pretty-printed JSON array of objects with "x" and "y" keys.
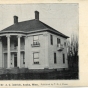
[{"x": 40, "y": 74}]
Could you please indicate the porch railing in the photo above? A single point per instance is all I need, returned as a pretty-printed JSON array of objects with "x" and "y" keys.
[
  {"x": 13, "y": 49},
  {"x": 35, "y": 44},
  {"x": 60, "y": 47}
]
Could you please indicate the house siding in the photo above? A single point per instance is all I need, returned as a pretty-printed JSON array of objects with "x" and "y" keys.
[
  {"x": 43, "y": 52},
  {"x": 46, "y": 52},
  {"x": 59, "y": 54}
]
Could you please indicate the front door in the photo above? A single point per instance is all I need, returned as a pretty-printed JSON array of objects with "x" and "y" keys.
[{"x": 15, "y": 60}]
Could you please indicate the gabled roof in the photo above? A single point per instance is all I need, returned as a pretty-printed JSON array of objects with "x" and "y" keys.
[{"x": 31, "y": 25}]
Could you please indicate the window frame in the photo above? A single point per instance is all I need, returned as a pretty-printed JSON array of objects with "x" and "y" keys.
[
  {"x": 65, "y": 44},
  {"x": 23, "y": 58},
  {"x": 37, "y": 40},
  {"x": 15, "y": 43},
  {"x": 63, "y": 58},
  {"x": 35, "y": 58},
  {"x": 58, "y": 41},
  {"x": 51, "y": 39},
  {"x": 15, "y": 55},
  {"x": 55, "y": 58}
]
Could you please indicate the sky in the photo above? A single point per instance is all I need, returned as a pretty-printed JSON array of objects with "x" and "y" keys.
[{"x": 62, "y": 17}]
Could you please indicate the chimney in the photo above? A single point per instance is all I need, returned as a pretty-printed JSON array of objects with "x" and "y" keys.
[
  {"x": 36, "y": 15},
  {"x": 15, "y": 19}
]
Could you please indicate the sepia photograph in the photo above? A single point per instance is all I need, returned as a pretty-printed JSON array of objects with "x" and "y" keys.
[{"x": 39, "y": 41}]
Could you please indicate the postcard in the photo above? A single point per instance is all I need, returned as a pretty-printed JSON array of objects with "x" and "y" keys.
[{"x": 43, "y": 43}]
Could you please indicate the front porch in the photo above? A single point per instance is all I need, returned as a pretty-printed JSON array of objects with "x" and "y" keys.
[
  {"x": 13, "y": 51},
  {"x": 14, "y": 60}
]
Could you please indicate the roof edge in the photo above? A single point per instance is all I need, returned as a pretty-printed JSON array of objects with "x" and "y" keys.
[
  {"x": 2, "y": 32},
  {"x": 64, "y": 36}
]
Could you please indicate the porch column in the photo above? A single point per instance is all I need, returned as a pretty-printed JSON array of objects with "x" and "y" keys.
[
  {"x": 26, "y": 52},
  {"x": 8, "y": 51},
  {"x": 18, "y": 56}
]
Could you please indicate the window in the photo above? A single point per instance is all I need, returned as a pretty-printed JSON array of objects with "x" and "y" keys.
[
  {"x": 36, "y": 40},
  {"x": 15, "y": 59},
  {"x": 23, "y": 58},
  {"x": 15, "y": 55},
  {"x": 58, "y": 41},
  {"x": 15, "y": 43},
  {"x": 36, "y": 57},
  {"x": 64, "y": 43},
  {"x": 63, "y": 58},
  {"x": 51, "y": 39},
  {"x": 55, "y": 58}
]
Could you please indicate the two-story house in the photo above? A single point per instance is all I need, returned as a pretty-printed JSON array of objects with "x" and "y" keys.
[{"x": 32, "y": 44}]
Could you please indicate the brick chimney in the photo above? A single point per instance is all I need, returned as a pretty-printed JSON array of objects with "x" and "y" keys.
[
  {"x": 36, "y": 15},
  {"x": 15, "y": 19}
]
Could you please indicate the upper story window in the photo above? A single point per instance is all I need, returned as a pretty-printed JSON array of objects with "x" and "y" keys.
[
  {"x": 36, "y": 57},
  {"x": 58, "y": 41},
  {"x": 23, "y": 40},
  {"x": 64, "y": 43},
  {"x": 51, "y": 39},
  {"x": 15, "y": 43},
  {"x": 35, "y": 41}
]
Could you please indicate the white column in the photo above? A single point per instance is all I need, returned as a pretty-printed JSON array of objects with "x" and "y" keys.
[
  {"x": 26, "y": 52},
  {"x": 18, "y": 56},
  {"x": 8, "y": 51}
]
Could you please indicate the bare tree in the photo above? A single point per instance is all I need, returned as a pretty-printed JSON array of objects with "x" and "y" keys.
[{"x": 72, "y": 44}]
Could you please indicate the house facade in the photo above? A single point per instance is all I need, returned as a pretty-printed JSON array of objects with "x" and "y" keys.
[{"x": 32, "y": 44}]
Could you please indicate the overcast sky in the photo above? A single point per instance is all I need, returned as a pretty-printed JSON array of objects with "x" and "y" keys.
[{"x": 62, "y": 17}]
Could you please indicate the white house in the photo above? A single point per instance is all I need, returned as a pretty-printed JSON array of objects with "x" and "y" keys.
[{"x": 32, "y": 44}]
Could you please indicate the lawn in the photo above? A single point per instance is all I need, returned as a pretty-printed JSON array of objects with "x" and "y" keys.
[{"x": 33, "y": 74}]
